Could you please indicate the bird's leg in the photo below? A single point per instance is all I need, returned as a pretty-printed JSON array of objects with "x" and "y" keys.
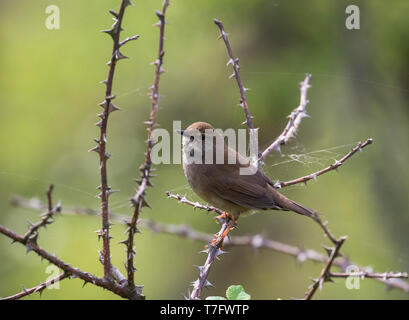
[
  {"x": 220, "y": 238},
  {"x": 224, "y": 215}
]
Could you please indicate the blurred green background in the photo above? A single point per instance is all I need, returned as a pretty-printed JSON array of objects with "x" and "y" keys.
[{"x": 360, "y": 88}]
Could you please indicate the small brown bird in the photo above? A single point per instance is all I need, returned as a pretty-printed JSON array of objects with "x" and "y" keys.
[{"x": 222, "y": 185}]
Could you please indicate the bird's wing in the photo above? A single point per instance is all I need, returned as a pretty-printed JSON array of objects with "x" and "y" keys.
[{"x": 249, "y": 191}]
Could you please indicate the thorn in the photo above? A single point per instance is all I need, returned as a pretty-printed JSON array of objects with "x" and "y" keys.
[
  {"x": 208, "y": 284},
  {"x": 28, "y": 248},
  {"x": 219, "y": 252},
  {"x": 96, "y": 149},
  {"x": 103, "y": 104},
  {"x": 113, "y": 13},
  {"x": 109, "y": 31},
  {"x": 120, "y": 56},
  {"x": 113, "y": 108},
  {"x": 145, "y": 204},
  {"x": 200, "y": 268},
  {"x": 328, "y": 250},
  {"x": 277, "y": 148},
  {"x": 125, "y": 242}
]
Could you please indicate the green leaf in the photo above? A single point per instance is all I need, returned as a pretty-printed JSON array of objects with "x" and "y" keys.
[
  {"x": 215, "y": 298},
  {"x": 237, "y": 293}
]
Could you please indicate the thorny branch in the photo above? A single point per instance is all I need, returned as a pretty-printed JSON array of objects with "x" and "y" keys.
[
  {"x": 138, "y": 201},
  {"x": 257, "y": 241},
  {"x": 324, "y": 276},
  {"x": 296, "y": 117},
  {"x": 46, "y": 218},
  {"x": 39, "y": 288},
  {"x": 193, "y": 204},
  {"x": 236, "y": 74},
  {"x": 108, "y": 107},
  {"x": 213, "y": 250},
  {"x": 30, "y": 238},
  {"x": 183, "y": 200},
  {"x": 31, "y": 245},
  {"x": 75, "y": 272},
  {"x": 333, "y": 166}
]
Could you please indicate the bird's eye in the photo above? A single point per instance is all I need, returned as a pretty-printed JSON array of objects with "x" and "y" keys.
[{"x": 192, "y": 138}]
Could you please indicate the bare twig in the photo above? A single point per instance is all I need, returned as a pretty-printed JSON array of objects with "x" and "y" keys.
[
  {"x": 296, "y": 117},
  {"x": 138, "y": 201},
  {"x": 193, "y": 204},
  {"x": 46, "y": 218},
  {"x": 257, "y": 241},
  {"x": 100, "y": 148},
  {"x": 324, "y": 276},
  {"x": 116, "y": 274},
  {"x": 369, "y": 275},
  {"x": 213, "y": 251},
  {"x": 235, "y": 63},
  {"x": 333, "y": 166},
  {"x": 87, "y": 277},
  {"x": 39, "y": 288},
  {"x": 183, "y": 199}
]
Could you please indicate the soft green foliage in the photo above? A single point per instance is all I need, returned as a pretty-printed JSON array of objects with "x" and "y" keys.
[
  {"x": 49, "y": 95},
  {"x": 234, "y": 292}
]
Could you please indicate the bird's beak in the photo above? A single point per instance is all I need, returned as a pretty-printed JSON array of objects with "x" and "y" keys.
[{"x": 180, "y": 131}]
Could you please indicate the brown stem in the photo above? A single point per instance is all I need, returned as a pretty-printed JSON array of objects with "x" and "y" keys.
[
  {"x": 39, "y": 288},
  {"x": 235, "y": 63},
  {"x": 333, "y": 166},
  {"x": 108, "y": 107},
  {"x": 296, "y": 116},
  {"x": 370, "y": 275},
  {"x": 324, "y": 276},
  {"x": 193, "y": 204},
  {"x": 87, "y": 277},
  {"x": 257, "y": 241},
  {"x": 46, "y": 218},
  {"x": 213, "y": 251},
  {"x": 138, "y": 201}
]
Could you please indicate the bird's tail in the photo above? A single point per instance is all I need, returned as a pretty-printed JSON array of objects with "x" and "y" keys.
[{"x": 288, "y": 204}]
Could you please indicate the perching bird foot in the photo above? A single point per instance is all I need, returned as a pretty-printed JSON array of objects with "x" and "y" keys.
[{"x": 220, "y": 218}]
